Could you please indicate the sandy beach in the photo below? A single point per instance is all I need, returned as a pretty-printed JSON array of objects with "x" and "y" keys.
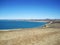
[{"x": 32, "y": 36}]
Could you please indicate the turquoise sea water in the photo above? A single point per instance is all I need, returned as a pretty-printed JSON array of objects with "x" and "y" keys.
[{"x": 15, "y": 24}]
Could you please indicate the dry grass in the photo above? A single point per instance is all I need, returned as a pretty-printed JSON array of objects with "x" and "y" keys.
[
  {"x": 54, "y": 25},
  {"x": 36, "y": 36}
]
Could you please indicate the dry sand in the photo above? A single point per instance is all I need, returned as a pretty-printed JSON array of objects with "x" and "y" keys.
[{"x": 34, "y": 36}]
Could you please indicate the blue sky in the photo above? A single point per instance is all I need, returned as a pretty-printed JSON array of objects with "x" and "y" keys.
[{"x": 29, "y": 9}]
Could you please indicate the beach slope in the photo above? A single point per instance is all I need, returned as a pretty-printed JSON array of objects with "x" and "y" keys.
[{"x": 34, "y": 36}]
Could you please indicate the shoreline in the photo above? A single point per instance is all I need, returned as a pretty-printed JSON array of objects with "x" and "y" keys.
[
  {"x": 25, "y": 28},
  {"x": 31, "y": 36},
  {"x": 38, "y": 21}
]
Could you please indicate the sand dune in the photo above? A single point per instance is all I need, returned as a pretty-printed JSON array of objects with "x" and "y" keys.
[{"x": 36, "y": 36}]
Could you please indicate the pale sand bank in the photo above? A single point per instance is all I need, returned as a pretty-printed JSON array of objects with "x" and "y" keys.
[{"x": 35, "y": 36}]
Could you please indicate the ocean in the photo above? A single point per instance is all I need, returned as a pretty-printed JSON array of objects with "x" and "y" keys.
[{"x": 16, "y": 24}]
